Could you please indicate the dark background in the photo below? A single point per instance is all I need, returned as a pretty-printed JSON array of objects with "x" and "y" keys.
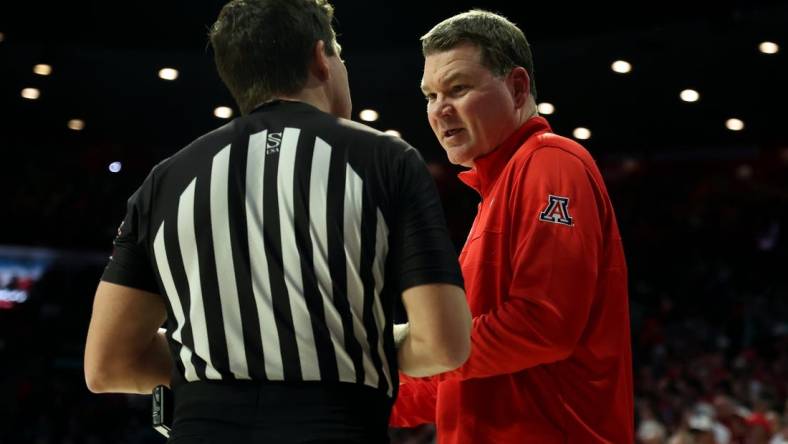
[{"x": 702, "y": 209}]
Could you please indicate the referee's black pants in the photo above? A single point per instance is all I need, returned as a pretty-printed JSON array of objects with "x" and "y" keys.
[{"x": 279, "y": 413}]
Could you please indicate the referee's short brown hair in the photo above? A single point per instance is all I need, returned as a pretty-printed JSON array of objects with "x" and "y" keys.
[{"x": 263, "y": 48}]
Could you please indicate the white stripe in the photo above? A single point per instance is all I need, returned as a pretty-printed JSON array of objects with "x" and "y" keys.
[
  {"x": 191, "y": 264},
  {"x": 225, "y": 269},
  {"x": 381, "y": 251},
  {"x": 291, "y": 260},
  {"x": 261, "y": 285},
  {"x": 318, "y": 228},
  {"x": 354, "y": 188},
  {"x": 160, "y": 252}
]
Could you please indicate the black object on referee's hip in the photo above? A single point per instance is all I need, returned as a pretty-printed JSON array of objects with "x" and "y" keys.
[{"x": 162, "y": 410}]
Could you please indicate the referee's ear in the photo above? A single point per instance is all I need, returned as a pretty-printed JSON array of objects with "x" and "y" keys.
[{"x": 320, "y": 66}]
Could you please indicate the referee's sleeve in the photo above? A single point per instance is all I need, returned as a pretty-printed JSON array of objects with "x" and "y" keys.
[
  {"x": 130, "y": 264},
  {"x": 427, "y": 254}
]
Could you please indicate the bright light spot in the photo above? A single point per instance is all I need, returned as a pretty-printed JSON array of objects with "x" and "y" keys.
[
  {"x": 621, "y": 66},
  {"x": 768, "y": 47},
  {"x": 734, "y": 124},
  {"x": 31, "y": 93},
  {"x": 168, "y": 73},
  {"x": 42, "y": 69},
  {"x": 394, "y": 133},
  {"x": 223, "y": 112},
  {"x": 689, "y": 95},
  {"x": 368, "y": 115},
  {"x": 545, "y": 108},
  {"x": 115, "y": 167},
  {"x": 76, "y": 124},
  {"x": 581, "y": 133}
]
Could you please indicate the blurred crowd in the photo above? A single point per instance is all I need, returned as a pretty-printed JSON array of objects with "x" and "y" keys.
[
  {"x": 708, "y": 298},
  {"x": 706, "y": 248}
]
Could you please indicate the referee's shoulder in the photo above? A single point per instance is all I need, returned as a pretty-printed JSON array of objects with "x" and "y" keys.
[
  {"x": 366, "y": 135},
  {"x": 211, "y": 140}
]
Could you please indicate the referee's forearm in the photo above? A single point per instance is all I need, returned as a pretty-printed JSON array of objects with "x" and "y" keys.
[
  {"x": 418, "y": 358},
  {"x": 154, "y": 366},
  {"x": 140, "y": 374}
]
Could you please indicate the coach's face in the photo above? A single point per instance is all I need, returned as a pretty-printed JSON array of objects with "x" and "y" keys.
[{"x": 470, "y": 109}]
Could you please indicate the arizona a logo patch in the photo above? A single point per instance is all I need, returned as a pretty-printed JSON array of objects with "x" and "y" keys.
[{"x": 556, "y": 211}]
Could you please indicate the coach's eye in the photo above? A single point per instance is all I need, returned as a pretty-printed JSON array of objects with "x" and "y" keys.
[{"x": 458, "y": 89}]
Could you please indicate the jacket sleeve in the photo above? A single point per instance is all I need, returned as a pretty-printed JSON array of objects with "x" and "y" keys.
[
  {"x": 555, "y": 240},
  {"x": 416, "y": 402}
]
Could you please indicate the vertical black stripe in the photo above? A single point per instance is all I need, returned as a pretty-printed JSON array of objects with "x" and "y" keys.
[
  {"x": 212, "y": 303},
  {"x": 337, "y": 266},
  {"x": 170, "y": 325},
  {"x": 368, "y": 241},
  {"x": 181, "y": 284},
  {"x": 327, "y": 360},
  {"x": 178, "y": 375},
  {"x": 236, "y": 206},
  {"x": 273, "y": 248}
]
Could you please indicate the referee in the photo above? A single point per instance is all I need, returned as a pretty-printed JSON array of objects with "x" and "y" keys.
[{"x": 274, "y": 250}]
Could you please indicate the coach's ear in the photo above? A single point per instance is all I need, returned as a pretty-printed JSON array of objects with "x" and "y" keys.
[
  {"x": 320, "y": 67},
  {"x": 519, "y": 84}
]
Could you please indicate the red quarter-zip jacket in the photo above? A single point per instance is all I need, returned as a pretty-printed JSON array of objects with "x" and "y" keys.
[{"x": 546, "y": 282}]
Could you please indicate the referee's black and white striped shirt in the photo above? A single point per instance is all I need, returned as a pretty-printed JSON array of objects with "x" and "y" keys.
[{"x": 282, "y": 241}]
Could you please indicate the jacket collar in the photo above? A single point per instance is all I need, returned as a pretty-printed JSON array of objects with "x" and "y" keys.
[{"x": 487, "y": 168}]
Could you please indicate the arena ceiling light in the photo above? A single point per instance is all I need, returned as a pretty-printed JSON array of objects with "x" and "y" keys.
[
  {"x": 621, "y": 66},
  {"x": 76, "y": 124},
  {"x": 223, "y": 112},
  {"x": 394, "y": 132},
  {"x": 115, "y": 167},
  {"x": 769, "y": 47},
  {"x": 31, "y": 93},
  {"x": 42, "y": 69},
  {"x": 545, "y": 108},
  {"x": 689, "y": 95},
  {"x": 581, "y": 133},
  {"x": 168, "y": 73},
  {"x": 368, "y": 115},
  {"x": 734, "y": 124}
]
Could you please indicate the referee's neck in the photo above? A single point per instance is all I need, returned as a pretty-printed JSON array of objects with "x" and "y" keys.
[{"x": 315, "y": 96}]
